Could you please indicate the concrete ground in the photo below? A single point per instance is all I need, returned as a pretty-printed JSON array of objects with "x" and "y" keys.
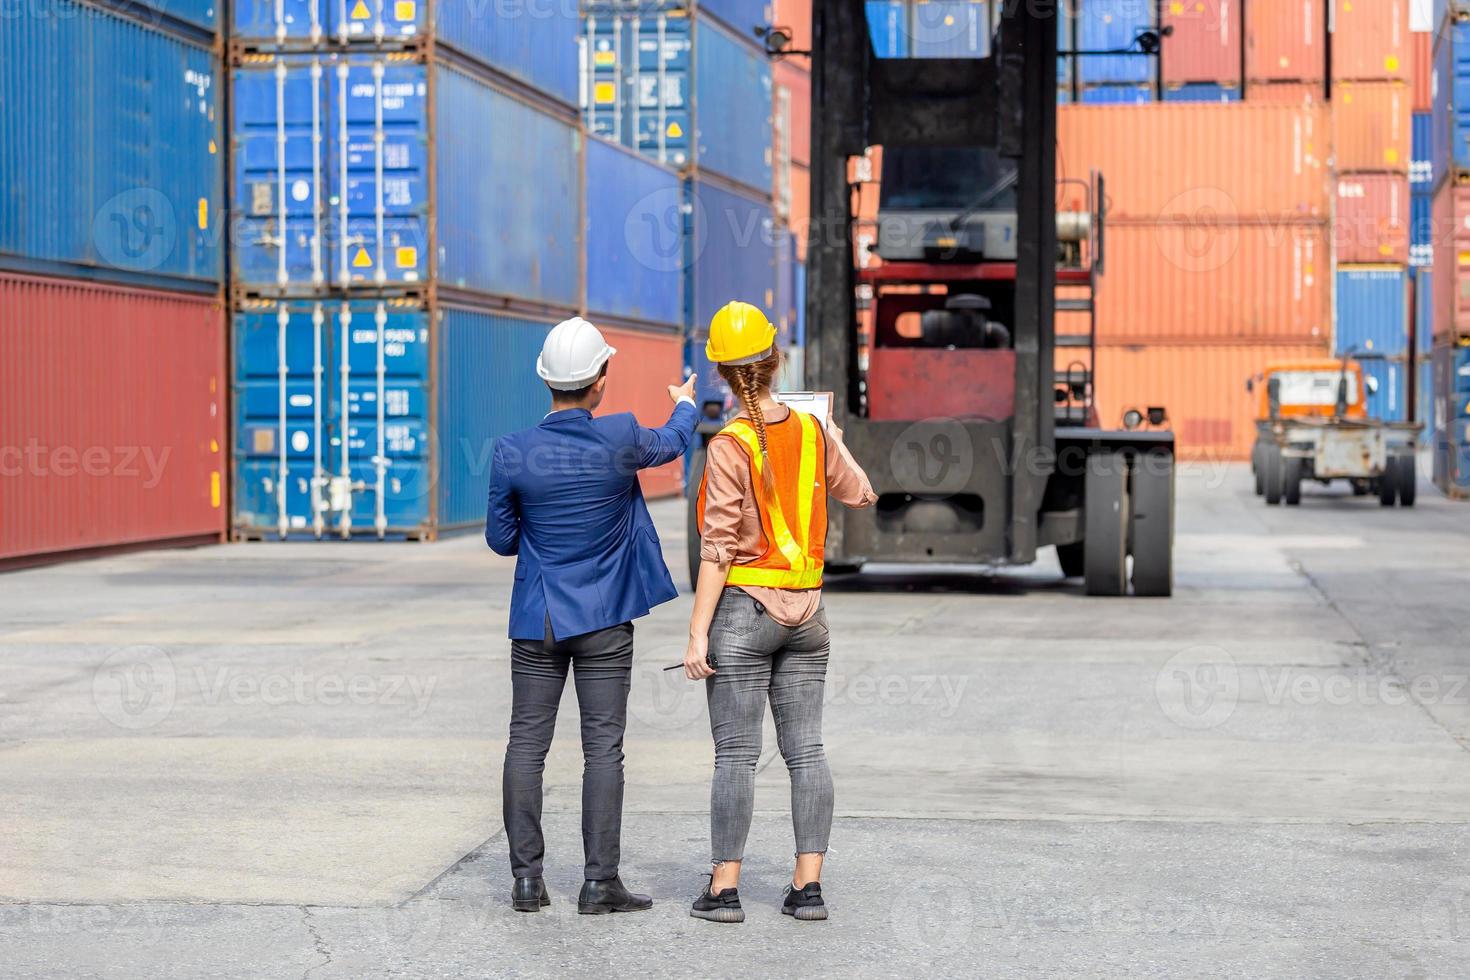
[{"x": 275, "y": 760}]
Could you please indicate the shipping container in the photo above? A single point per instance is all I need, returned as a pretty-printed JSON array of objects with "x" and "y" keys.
[
  {"x": 1205, "y": 45},
  {"x": 367, "y": 138},
  {"x": 112, "y": 404},
  {"x": 374, "y": 416},
  {"x": 949, "y": 29},
  {"x": 638, "y": 379},
  {"x": 1202, "y": 92},
  {"x": 1114, "y": 25},
  {"x": 795, "y": 17},
  {"x": 197, "y": 20},
  {"x": 1286, "y": 93},
  {"x": 1451, "y": 280},
  {"x": 1201, "y": 386},
  {"x": 1391, "y": 401},
  {"x": 740, "y": 16},
  {"x": 111, "y": 162},
  {"x": 793, "y": 204},
  {"x": 732, "y": 247},
  {"x": 1421, "y": 230},
  {"x": 1423, "y": 308},
  {"x": 1422, "y": 43},
  {"x": 1451, "y": 108},
  {"x": 635, "y": 236},
  {"x": 1421, "y": 167},
  {"x": 1373, "y": 218},
  {"x": 888, "y": 28},
  {"x": 1181, "y": 162},
  {"x": 1179, "y": 283},
  {"x": 1372, "y": 126},
  {"x": 1372, "y": 311},
  {"x": 1109, "y": 94},
  {"x": 1424, "y": 403},
  {"x": 1286, "y": 41},
  {"x": 1371, "y": 41},
  {"x": 793, "y": 87},
  {"x": 644, "y": 91}
]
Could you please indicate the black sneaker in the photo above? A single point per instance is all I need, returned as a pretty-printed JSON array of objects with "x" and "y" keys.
[
  {"x": 724, "y": 907},
  {"x": 804, "y": 903}
]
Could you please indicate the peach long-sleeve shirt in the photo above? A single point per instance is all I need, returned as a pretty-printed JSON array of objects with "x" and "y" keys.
[{"x": 732, "y": 520}]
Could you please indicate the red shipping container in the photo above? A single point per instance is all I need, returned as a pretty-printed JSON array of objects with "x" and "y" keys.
[
  {"x": 1450, "y": 282},
  {"x": 795, "y": 115},
  {"x": 637, "y": 382},
  {"x": 1188, "y": 161},
  {"x": 1201, "y": 386},
  {"x": 1370, "y": 40},
  {"x": 1206, "y": 43},
  {"x": 1422, "y": 43},
  {"x": 794, "y": 16},
  {"x": 1372, "y": 223},
  {"x": 1286, "y": 93},
  {"x": 1186, "y": 283},
  {"x": 794, "y": 204},
  {"x": 112, "y": 417},
  {"x": 1372, "y": 126},
  {"x": 1286, "y": 40}
]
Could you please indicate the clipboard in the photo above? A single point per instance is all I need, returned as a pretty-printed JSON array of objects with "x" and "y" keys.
[{"x": 817, "y": 404}]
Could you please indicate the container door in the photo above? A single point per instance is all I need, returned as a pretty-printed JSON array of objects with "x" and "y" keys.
[
  {"x": 280, "y": 122},
  {"x": 376, "y": 20},
  {"x": 262, "y": 23},
  {"x": 379, "y": 162}
]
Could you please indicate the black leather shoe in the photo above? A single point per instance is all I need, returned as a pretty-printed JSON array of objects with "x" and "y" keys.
[
  {"x": 529, "y": 895},
  {"x": 602, "y": 897}
]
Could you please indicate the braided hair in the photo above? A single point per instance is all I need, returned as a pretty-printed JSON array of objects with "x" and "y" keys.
[{"x": 749, "y": 382}]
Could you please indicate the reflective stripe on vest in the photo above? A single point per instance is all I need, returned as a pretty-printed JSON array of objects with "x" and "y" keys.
[{"x": 805, "y": 571}]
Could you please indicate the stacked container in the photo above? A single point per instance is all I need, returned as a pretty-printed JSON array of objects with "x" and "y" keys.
[
  {"x": 409, "y": 182},
  {"x": 791, "y": 155},
  {"x": 1213, "y": 270},
  {"x": 1203, "y": 55},
  {"x": 686, "y": 90},
  {"x": 111, "y": 258},
  {"x": 1372, "y": 117},
  {"x": 1450, "y": 286},
  {"x": 1115, "y": 79},
  {"x": 1286, "y": 49}
]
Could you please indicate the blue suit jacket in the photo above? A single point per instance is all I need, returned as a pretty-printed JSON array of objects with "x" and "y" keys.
[{"x": 564, "y": 498}]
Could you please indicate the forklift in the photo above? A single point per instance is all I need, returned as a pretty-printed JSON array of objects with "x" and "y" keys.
[{"x": 980, "y": 450}]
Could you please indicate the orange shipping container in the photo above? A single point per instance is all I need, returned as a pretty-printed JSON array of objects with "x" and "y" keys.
[
  {"x": 1205, "y": 43},
  {"x": 1450, "y": 283},
  {"x": 1372, "y": 223},
  {"x": 637, "y": 382},
  {"x": 794, "y": 16},
  {"x": 1184, "y": 161},
  {"x": 1202, "y": 386},
  {"x": 794, "y": 109},
  {"x": 1286, "y": 93},
  {"x": 1423, "y": 45},
  {"x": 1285, "y": 40},
  {"x": 1372, "y": 126},
  {"x": 1370, "y": 40},
  {"x": 1185, "y": 283}
]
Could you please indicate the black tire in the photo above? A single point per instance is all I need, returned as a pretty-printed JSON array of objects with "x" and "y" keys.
[
  {"x": 1275, "y": 475},
  {"x": 1388, "y": 484},
  {"x": 1291, "y": 480},
  {"x": 1257, "y": 469},
  {"x": 1408, "y": 480},
  {"x": 1073, "y": 559},
  {"x": 1152, "y": 499},
  {"x": 691, "y": 524},
  {"x": 1105, "y": 554}
]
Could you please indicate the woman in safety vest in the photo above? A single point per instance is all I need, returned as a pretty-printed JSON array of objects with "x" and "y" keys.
[{"x": 758, "y": 631}]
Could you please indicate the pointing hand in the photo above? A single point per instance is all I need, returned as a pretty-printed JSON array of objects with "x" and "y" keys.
[{"x": 685, "y": 390}]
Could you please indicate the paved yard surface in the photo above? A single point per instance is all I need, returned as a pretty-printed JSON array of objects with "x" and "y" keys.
[{"x": 275, "y": 760}]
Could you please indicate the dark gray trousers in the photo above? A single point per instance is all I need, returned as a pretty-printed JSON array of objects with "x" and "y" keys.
[{"x": 602, "y": 663}]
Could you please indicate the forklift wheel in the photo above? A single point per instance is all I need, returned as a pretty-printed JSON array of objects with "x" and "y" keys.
[
  {"x": 1275, "y": 475},
  {"x": 1291, "y": 476},
  {"x": 1072, "y": 559},
  {"x": 691, "y": 522},
  {"x": 1408, "y": 477},
  {"x": 1105, "y": 554},
  {"x": 1153, "y": 524},
  {"x": 1388, "y": 484}
]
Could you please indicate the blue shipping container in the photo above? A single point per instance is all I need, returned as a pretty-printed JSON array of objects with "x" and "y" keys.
[
  {"x": 638, "y": 92},
  {"x": 732, "y": 249},
  {"x": 202, "y": 16},
  {"x": 1116, "y": 94},
  {"x": 950, "y": 29},
  {"x": 1450, "y": 140},
  {"x": 110, "y": 158},
  {"x": 635, "y": 236},
  {"x": 742, "y": 16},
  {"x": 1421, "y": 230},
  {"x": 732, "y": 93},
  {"x": 1372, "y": 311},
  {"x": 1391, "y": 401},
  {"x": 888, "y": 28},
  {"x": 1421, "y": 165},
  {"x": 394, "y": 456},
  {"x": 1202, "y": 92},
  {"x": 356, "y": 137},
  {"x": 1114, "y": 25},
  {"x": 1423, "y": 310}
]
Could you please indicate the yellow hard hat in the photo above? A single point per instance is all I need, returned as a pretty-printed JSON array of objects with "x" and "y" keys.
[{"x": 739, "y": 334}]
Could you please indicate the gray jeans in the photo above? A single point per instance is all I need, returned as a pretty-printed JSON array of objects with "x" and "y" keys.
[{"x": 759, "y": 660}]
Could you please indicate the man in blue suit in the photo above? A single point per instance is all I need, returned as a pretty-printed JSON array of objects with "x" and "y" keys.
[{"x": 564, "y": 498}]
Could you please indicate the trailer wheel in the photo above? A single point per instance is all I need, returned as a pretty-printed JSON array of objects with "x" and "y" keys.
[
  {"x": 1257, "y": 470},
  {"x": 1105, "y": 550},
  {"x": 1388, "y": 484},
  {"x": 1408, "y": 478},
  {"x": 691, "y": 520},
  {"x": 1153, "y": 524},
  {"x": 1291, "y": 480},
  {"x": 1073, "y": 559},
  {"x": 1275, "y": 475}
]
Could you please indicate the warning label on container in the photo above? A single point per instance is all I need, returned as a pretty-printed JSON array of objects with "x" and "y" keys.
[
  {"x": 362, "y": 260},
  {"x": 360, "y": 11}
]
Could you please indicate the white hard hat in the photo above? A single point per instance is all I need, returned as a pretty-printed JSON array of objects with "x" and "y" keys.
[{"x": 573, "y": 355}]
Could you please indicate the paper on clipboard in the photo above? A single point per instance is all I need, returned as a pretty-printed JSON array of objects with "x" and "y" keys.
[{"x": 817, "y": 404}]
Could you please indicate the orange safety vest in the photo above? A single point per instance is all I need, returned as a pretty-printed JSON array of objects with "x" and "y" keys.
[{"x": 791, "y": 550}]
